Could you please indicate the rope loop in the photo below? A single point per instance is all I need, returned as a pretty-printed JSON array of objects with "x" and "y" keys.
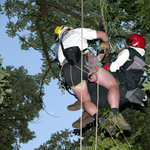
[{"x": 93, "y": 66}]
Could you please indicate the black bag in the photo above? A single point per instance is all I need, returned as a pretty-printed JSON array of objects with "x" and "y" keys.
[
  {"x": 124, "y": 79},
  {"x": 72, "y": 54}
]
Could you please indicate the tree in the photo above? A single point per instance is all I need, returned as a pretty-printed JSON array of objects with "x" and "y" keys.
[
  {"x": 34, "y": 21},
  {"x": 19, "y": 108},
  {"x": 4, "y": 89},
  {"x": 137, "y": 138},
  {"x": 39, "y": 19},
  {"x": 61, "y": 141}
]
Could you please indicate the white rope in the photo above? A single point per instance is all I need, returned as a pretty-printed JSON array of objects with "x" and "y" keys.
[
  {"x": 97, "y": 114},
  {"x": 81, "y": 71},
  {"x": 82, "y": 21},
  {"x": 111, "y": 46}
]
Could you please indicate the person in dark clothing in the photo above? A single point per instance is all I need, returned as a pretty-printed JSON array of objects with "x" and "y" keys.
[
  {"x": 130, "y": 69},
  {"x": 73, "y": 42},
  {"x": 129, "y": 76}
]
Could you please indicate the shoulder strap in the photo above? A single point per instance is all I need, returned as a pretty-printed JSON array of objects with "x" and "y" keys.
[
  {"x": 57, "y": 46},
  {"x": 133, "y": 52},
  {"x": 136, "y": 61}
]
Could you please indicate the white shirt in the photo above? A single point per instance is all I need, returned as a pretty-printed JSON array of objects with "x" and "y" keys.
[
  {"x": 123, "y": 57},
  {"x": 73, "y": 38}
]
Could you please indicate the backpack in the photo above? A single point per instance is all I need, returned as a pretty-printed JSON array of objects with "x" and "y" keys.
[{"x": 133, "y": 72}]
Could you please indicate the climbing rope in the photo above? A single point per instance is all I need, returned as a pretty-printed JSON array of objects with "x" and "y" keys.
[
  {"x": 103, "y": 13},
  {"x": 97, "y": 114},
  {"x": 81, "y": 71}
]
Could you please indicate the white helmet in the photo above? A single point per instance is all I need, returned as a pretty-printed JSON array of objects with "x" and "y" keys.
[{"x": 61, "y": 30}]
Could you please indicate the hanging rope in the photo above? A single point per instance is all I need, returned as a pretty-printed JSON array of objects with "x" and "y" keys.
[
  {"x": 97, "y": 114},
  {"x": 105, "y": 26},
  {"x": 81, "y": 71},
  {"x": 103, "y": 9},
  {"x": 103, "y": 17}
]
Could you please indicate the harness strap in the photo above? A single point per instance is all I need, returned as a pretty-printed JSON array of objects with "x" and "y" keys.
[
  {"x": 57, "y": 46},
  {"x": 94, "y": 66}
]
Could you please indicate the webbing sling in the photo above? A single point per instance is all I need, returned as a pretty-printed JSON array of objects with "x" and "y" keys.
[{"x": 57, "y": 46}]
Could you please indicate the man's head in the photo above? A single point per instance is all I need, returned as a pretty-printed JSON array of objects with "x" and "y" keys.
[
  {"x": 136, "y": 40},
  {"x": 60, "y": 30}
]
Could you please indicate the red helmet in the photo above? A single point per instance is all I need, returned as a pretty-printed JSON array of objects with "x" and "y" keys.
[{"x": 137, "y": 40}]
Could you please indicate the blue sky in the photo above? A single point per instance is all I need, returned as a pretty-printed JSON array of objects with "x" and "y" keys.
[{"x": 56, "y": 103}]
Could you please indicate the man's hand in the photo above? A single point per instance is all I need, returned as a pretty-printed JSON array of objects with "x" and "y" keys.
[{"x": 104, "y": 46}]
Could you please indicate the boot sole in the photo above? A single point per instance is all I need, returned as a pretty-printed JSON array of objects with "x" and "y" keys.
[
  {"x": 84, "y": 122},
  {"x": 75, "y": 107},
  {"x": 125, "y": 128},
  {"x": 121, "y": 126},
  {"x": 110, "y": 129}
]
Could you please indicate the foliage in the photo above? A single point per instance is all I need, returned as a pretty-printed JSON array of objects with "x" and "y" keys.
[
  {"x": 59, "y": 141},
  {"x": 137, "y": 138},
  {"x": 146, "y": 85},
  {"x": 19, "y": 108},
  {"x": 33, "y": 22},
  {"x": 108, "y": 143},
  {"x": 4, "y": 84},
  {"x": 139, "y": 119}
]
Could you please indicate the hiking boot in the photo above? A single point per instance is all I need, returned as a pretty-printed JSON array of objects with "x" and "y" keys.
[
  {"x": 75, "y": 106},
  {"x": 111, "y": 129},
  {"x": 86, "y": 119},
  {"x": 108, "y": 127},
  {"x": 118, "y": 120}
]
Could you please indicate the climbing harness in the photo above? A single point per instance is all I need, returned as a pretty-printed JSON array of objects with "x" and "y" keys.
[
  {"x": 61, "y": 83},
  {"x": 57, "y": 45},
  {"x": 93, "y": 65}
]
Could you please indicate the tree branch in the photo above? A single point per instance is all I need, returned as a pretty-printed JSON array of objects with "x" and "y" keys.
[
  {"x": 72, "y": 14},
  {"x": 44, "y": 44}
]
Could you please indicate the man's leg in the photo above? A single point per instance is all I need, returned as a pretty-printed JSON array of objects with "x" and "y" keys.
[
  {"x": 72, "y": 76},
  {"x": 89, "y": 106},
  {"x": 86, "y": 117},
  {"x": 107, "y": 80}
]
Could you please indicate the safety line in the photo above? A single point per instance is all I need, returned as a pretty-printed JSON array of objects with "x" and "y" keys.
[
  {"x": 81, "y": 71},
  {"x": 97, "y": 111}
]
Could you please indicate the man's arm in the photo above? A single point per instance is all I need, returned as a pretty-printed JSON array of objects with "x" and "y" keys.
[
  {"x": 121, "y": 59},
  {"x": 102, "y": 35}
]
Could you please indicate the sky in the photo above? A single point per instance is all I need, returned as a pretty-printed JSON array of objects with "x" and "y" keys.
[{"x": 56, "y": 103}]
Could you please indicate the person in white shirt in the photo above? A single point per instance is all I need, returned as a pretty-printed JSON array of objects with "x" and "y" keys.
[
  {"x": 71, "y": 42},
  {"x": 129, "y": 67},
  {"x": 135, "y": 41}
]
